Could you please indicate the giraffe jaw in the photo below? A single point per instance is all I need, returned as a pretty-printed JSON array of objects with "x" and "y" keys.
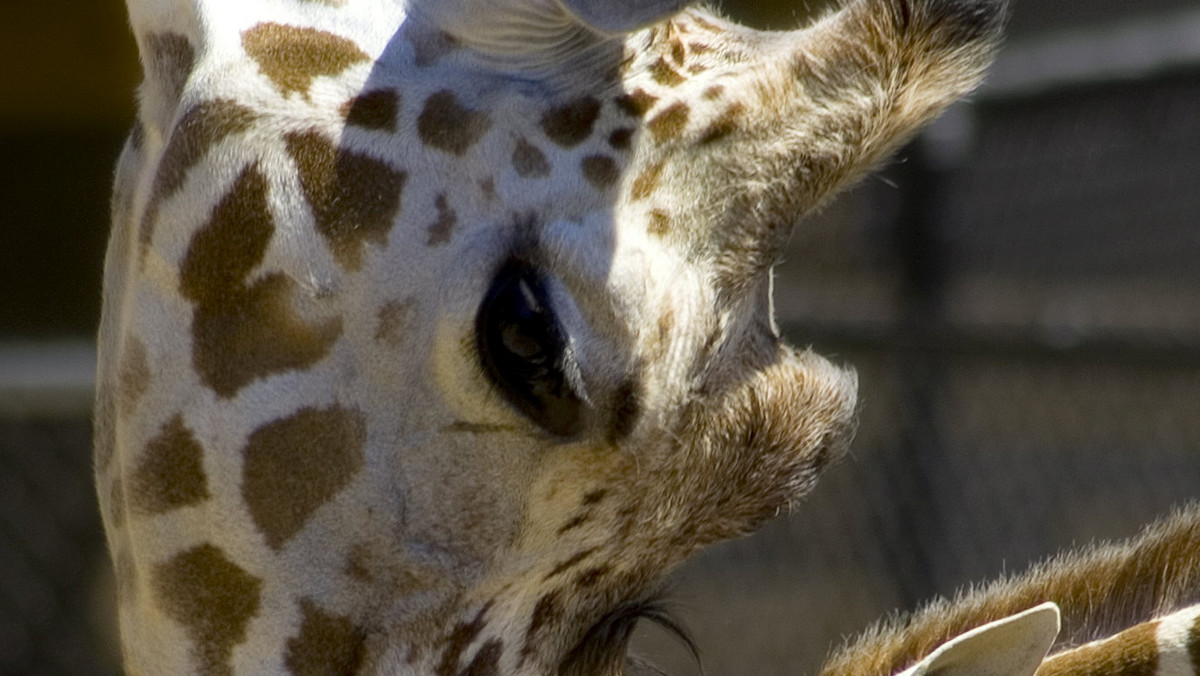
[{"x": 604, "y": 525}]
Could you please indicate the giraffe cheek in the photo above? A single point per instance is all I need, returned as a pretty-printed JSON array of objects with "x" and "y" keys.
[
  {"x": 295, "y": 465},
  {"x": 468, "y": 503}
]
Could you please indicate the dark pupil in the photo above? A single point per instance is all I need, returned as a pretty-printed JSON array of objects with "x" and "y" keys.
[
  {"x": 523, "y": 351},
  {"x": 520, "y": 341},
  {"x": 526, "y": 334}
]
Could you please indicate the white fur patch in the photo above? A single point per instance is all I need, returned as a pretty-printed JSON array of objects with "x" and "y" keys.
[{"x": 1174, "y": 633}]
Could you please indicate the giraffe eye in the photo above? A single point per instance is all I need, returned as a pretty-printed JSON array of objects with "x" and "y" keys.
[{"x": 525, "y": 353}]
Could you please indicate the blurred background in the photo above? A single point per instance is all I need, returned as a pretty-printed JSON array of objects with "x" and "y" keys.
[{"x": 1019, "y": 291}]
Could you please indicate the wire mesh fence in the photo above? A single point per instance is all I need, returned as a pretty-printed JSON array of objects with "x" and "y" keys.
[{"x": 54, "y": 579}]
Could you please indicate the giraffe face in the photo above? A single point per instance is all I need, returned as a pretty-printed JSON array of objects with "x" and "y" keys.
[{"x": 433, "y": 341}]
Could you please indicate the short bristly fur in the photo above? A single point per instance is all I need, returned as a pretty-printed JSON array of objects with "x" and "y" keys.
[
  {"x": 437, "y": 332},
  {"x": 1102, "y": 591}
]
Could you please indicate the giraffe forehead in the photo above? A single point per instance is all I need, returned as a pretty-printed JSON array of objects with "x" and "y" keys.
[{"x": 381, "y": 136}]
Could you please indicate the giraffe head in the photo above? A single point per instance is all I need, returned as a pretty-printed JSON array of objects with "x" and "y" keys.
[{"x": 436, "y": 333}]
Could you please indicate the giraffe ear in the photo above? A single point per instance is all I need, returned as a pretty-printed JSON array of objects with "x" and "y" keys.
[
  {"x": 540, "y": 32},
  {"x": 1013, "y": 646},
  {"x": 621, "y": 16}
]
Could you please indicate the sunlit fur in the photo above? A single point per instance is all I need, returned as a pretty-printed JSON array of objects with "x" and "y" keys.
[{"x": 1101, "y": 590}]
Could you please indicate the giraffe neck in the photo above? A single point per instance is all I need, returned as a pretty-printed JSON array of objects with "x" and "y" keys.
[
  {"x": 1165, "y": 646},
  {"x": 1127, "y": 609}
]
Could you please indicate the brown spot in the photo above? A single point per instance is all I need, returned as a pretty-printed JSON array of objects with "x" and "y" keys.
[
  {"x": 170, "y": 474},
  {"x": 665, "y": 75},
  {"x": 416, "y": 653},
  {"x": 574, "y": 560},
  {"x": 201, "y": 127},
  {"x": 358, "y": 564},
  {"x": 442, "y": 229},
  {"x": 242, "y": 332},
  {"x": 713, "y": 91},
  {"x": 637, "y": 103},
  {"x": 354, "y": 197},
  {"x": 487, "y": 660},
  {"x": 373, "y": 110},
  {"x": 327, "y": 645},
  {"x": 296, "y": 465},
  {"x": 428, "y": 47},
  {"x": 546, "y": 612},
  {"x": 459, "y": 639},
  {"x": 570, "y": 124},
  {"x": 678, "y": 53},
  {"x": 575, "y": 522},
  {"x": 529, "y": 161},
  {"x": 464, "y": 427},
  {"x": 591, "y": 576},
  {"x": 724, "y": 125},
  {"x": 133, "y": 376},
  {"x": 292, "y": 57},
  {"x": 621, "y": 139},
  {"x": 646, "y": 182},
  {"x": 447, "y": 125},
  {"x": 660, "y": 223},
  {"x": 593, "y": 497},
  {"x": 670, "y": 122},
  {"x": 1133, "y": 652},
  {"x": 393, "y": 321},
  {"x": 660, "y": 341},
  {"x": 213, "y": 599},
  {"x": 600, "y": 170},
  {"x": 488, "y": 187},
  {"x": 666, "y": 323},
  {"x": 169, "y": 62}
]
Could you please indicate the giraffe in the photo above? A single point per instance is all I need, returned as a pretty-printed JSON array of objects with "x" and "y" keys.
[
  {"x": 437, "y": 332},
  {"x": 1124, "y": 609}
]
